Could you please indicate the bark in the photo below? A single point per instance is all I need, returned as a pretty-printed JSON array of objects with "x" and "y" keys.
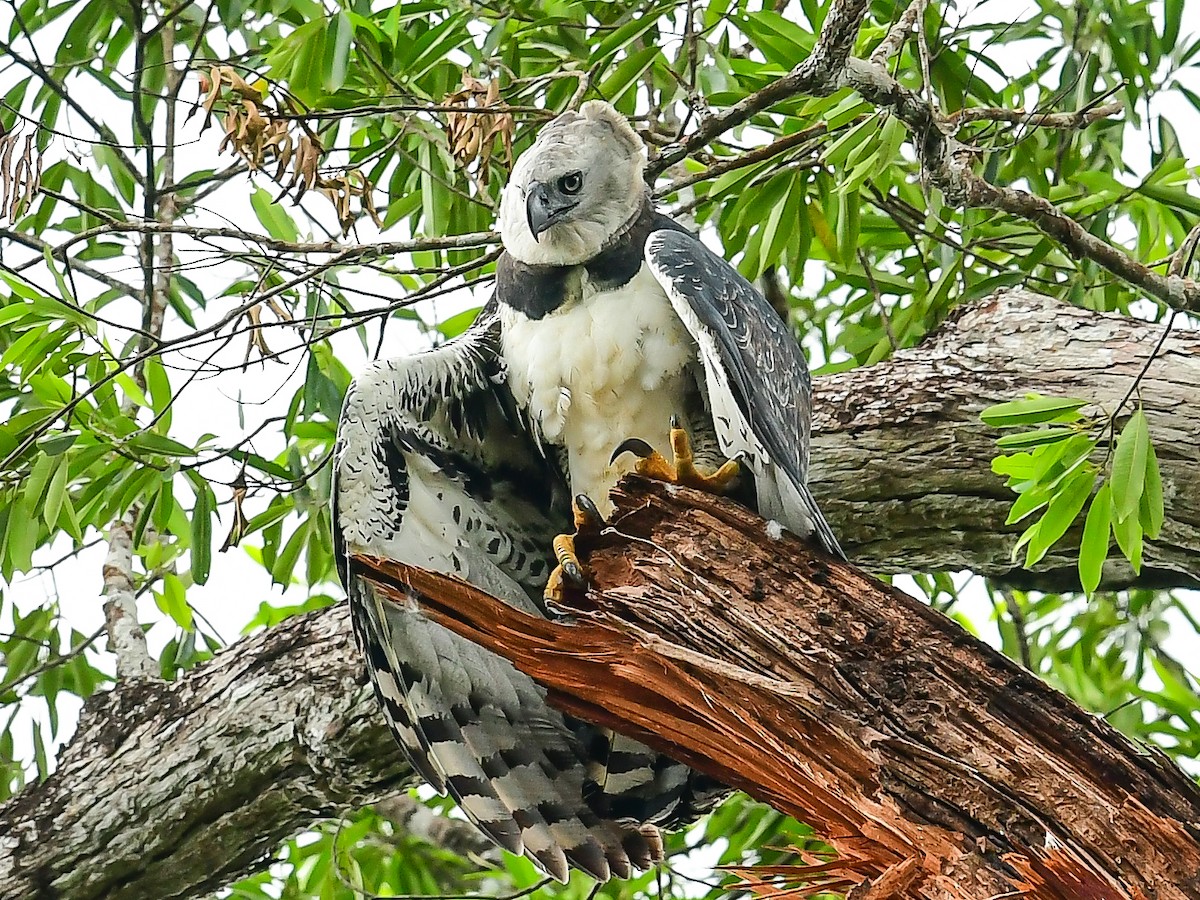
[
  {"x": 171, "y": 790},
  {"x": 175, "y": 789},
  {"x": 923, "y": 756},
  {"x": 901, "y": 460}
]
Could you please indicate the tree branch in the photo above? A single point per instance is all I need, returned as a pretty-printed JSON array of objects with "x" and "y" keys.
[
  {"x": 176, "y": 789},
  {"x": 901, "y": 463},
  {"x": 343, "y": 252},
  {"x": 906, "y": 743},
  {"x": 40, "y": 245},
  {"x": 818, "y": 74},
  {"x": 945, "y": 161},
  {"x": 107, "y": 137},
  {"x": 126, "y": 639},
  {"x": 1079, "y": 119}
]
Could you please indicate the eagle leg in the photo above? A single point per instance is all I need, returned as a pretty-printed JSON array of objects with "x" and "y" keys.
[
  {"x": 570, "y": 573},
  {"x": 682, "y": 469}
]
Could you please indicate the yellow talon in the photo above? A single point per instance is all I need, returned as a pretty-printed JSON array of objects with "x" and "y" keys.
[
  {"x": 569, "y": 571},
  {"x": 683, "y": 469}
]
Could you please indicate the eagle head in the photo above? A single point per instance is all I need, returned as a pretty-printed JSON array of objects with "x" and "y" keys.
[{"x": 575, "y": 189}]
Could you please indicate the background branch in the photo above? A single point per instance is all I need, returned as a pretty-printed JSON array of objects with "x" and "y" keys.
[
  {"x": 901, "y": 462},
  {"x": 176, "y": 789}
]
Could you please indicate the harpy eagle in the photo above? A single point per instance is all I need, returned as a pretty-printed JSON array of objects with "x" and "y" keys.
[{"x": 612, "y": 329}]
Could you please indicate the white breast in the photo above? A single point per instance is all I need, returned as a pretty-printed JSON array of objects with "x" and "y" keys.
[{"x": 610, "y": 366}]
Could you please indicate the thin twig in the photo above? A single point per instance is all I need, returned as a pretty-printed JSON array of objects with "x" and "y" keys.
[
  {"x": 785, "y": 143},
  {"x": 34, "y": 243},
  {"x": 1078, "y": 119},
  {"x": 345, "y": 252},
  {"x": 883, "y": 313},
  {"x": 55, "y": 662},
  {"x": 818, "y": 74},
  {"x": 898, "y": 34},
  {"x": 1020, "y": 626}
]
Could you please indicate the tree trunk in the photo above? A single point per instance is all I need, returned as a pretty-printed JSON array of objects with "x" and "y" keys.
[
  {"x": 176, "y": 789},
  {"x": 919, "y": 753},
  {"x": 901, "y": 460}
]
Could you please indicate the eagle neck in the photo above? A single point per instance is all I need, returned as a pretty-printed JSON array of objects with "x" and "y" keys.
[{"x": 538, "y": 290}]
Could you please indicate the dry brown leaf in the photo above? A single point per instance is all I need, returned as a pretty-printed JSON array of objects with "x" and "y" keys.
[
  {"x": 471, "y": 136},
  {"x": 20, "y": 173},
  {"x": 259, "y": 133}
]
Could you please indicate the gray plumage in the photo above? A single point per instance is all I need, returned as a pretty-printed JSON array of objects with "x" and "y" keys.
[{"x": 608, "y": 318}]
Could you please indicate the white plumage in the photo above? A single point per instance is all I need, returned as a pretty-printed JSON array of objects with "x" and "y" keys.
[{"x": 606, "y": 367}]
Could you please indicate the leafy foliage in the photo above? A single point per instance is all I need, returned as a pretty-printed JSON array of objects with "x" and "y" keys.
[
  {"x": 1053, "y": 472},
  {"x": 240, "y": 202}
]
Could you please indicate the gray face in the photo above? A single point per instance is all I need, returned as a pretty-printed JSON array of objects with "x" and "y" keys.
[
  {"x": 576, "y": 187},
  {"x": 549, "y": 202}
]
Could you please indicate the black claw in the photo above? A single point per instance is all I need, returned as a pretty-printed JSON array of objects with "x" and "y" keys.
[
  {"x": 588, "y": 507},
  {"x": 574, "y": 574},
  {"x": 636, "y": 446},
  {"x": 674, "y": 421}
]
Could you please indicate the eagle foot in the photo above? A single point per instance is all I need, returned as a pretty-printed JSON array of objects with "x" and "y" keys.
[
  {"x": 569, "y": 573},
  {"x": 682, "y": 469}
]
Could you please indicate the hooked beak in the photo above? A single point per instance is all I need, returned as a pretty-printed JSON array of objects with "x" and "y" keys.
[{"x": 544, "y": 206}]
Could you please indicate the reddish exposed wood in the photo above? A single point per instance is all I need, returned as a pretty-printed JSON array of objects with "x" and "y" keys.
[{"x": 845, "y": 703}]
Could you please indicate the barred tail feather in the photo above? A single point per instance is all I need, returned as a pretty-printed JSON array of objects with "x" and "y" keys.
[{"x": 479, "y": 730}]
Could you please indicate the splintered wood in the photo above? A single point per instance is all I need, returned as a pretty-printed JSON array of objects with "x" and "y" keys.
[{"x": 934, "y": 766}]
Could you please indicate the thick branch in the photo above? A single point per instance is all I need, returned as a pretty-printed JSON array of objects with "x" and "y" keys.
[
  {"x": 947, "y": 163},
  {"x": 174, "y": 790},
  {"x": 126, "y": 639},
  {"x": 901, "y": 461},
  {"x": 906, "y": 743}
]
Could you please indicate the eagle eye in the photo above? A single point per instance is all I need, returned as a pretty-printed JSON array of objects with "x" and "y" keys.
[{"x": 571, "y": 183}]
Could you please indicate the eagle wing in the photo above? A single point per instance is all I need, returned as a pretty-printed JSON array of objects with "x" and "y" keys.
[
  {"x": 431, "y": 470},
  {"x": 757, "y": 382}
]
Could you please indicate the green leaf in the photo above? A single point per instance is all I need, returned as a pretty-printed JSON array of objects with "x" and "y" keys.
[
  {"x": 172, "y": 600},
  {"x": 1031, "y": 499},
  {"x": 278, "y": 223},
  {"x": 1150, "y": 508},
  {"x": 458, "y": 323},
  {"x": 337, "y": 51},
  {"x": 627, "y": 72},
  {"x": 154, "y": 442},
  {"x": 39, "y": 476},
  {"x": 1129, "y": 535},
  {"x": 39, "y": 753},
  {"x": 1063, "y": 509},
  {"x": 159, "y": 386},
  {"x": 1025, "y": 439},
  {"x": 201, "y": 531},
  {"x": 281, "y": 572},
  {"x": 54, "y": 444},
  {"x": 1129, "y": 466},
  {"x": 69, "y": 519},
  {"x": 1093, "y": 549},
  {"x": 54, "y": 495},
  {"x": 1033, "y": 410},
  {"x": 131, "y": 389}
]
